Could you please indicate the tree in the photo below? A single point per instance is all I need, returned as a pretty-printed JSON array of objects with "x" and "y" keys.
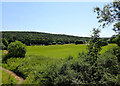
[
  {"x": 94, "y": 46},
  {"x": 79, "y": 42},
  {"x": 117, "y": 39},
  {"x": 16, "y": 49},
  {"x": 109, "y": 14},
  {"x": 54, "y": 43}
]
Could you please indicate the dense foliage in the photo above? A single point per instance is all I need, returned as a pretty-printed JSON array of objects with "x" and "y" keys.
[
  {"x": 94, "y": 46},
  {"x": 109, "y": 14},
  {"x": 67, "y": 72},
  {"x": 117, "y": 40},
  {"x": 79, "y": 42},
  {"x": 38, "y": 38},
  {"x": 16, "y": 49},
  {"x": 3, "y": 44}
]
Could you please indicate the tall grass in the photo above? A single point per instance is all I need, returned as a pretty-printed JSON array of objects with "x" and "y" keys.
[{"x": 8, "y": 78}]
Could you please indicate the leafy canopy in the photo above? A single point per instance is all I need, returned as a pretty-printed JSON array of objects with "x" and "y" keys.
[
  {"x": 94, "y": 46},
  {"x": 16, "y": 49}
]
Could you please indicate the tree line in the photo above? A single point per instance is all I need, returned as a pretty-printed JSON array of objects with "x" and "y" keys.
[{"x": 39, "y": 38}]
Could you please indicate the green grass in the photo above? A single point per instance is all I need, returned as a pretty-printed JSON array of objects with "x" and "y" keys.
[
  {"x": 7, "y": 78},
  {"x": 60, "y": 51},
  {"x": 56, "y": 51},
  {"x": 39, "y": 57},
  {"x": 104, "y": 48},
  {"x": 53, "y": 53}
]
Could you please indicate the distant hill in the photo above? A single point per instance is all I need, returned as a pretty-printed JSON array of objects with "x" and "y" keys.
[{"x": 38, "y": 38}]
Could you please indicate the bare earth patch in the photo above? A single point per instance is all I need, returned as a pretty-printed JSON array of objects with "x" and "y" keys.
[{"x": 5, "y": 51}]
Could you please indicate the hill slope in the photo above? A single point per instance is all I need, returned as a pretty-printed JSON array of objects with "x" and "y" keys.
[{"x": 29, "y": 38}]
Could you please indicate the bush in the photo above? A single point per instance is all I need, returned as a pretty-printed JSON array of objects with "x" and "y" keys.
[
  {"x": 115, "y": 50},
  {"x": 2, "y": 46},
  {"x": 53, "y": 43},
  {"x": 5, "y": 42},
  {"x": 79, "y": 42},
  {"x": 76, "y": 73},
  {"x": 59, "y": 43},
  {"x": 69, "y": 72},
  {"x": 16, "y": 49},
  {"x": 109, "y": 62},
  {"x": 104, "y": 43},
  {"x": 5, "y": 57},
  {"x": 117, "y": 40}
]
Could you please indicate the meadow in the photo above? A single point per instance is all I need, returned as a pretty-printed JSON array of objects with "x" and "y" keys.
[
  {"x": 56, "y": 51},
  {"x": 41, "y": 57},
  {"x": 47, "y": 59},
  {"x": 60, "y": 51},
  {"x": 45, "y": 55}
]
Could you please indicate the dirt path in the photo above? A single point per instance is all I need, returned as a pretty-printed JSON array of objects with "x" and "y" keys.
[{"x": 13, "y": 74}]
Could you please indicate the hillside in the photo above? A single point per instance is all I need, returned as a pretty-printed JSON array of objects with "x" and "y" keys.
[{"x": 38, "y": 38}]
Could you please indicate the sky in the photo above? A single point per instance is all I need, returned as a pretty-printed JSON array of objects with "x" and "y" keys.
[{"x": 71, "y": 18}]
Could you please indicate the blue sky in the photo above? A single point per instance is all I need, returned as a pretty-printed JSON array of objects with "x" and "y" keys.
[{"x": 72, "y": 18}]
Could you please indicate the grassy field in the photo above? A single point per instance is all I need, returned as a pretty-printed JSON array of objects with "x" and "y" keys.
[
  {"x": 39, "y": 57},
  {"x": 53, "y": 53},
  {"x": 56, "y": 51},
  {"x": 60, "y": 51},
  {"x": 7, "y": 78}
]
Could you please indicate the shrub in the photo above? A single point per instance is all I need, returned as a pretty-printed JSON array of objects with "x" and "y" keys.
[
  {"x": 109, "y": 61},
  {"x": 5, "y": 43},
  {"x": 104, "y": 43},
  {"x": 5, "y": 57},
  {"x": 16, "y": 49},
  {"x": 69, "y": 72},
  {"x": 79, "y": 42},
  {"x": 70, "y": 57},
  {"x": 2, "y": 46},
  {"x": 54, "y": 43},
  {"x": 115, "y": 50},
  {"x": 59, "y": 43},
  {"x": 117, "y": 40},
  {"x": 76, "y": 73}
]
